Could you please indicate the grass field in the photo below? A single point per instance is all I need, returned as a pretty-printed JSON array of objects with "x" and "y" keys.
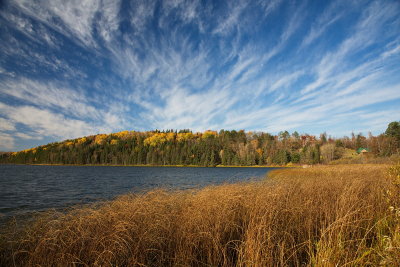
[{"x": 322, "y": 216}]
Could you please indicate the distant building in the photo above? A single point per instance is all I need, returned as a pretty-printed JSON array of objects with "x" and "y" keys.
[{"x": 362, "y": 150}]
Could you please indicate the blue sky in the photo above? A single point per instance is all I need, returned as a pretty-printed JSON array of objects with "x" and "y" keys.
[{"x": 75, "y": 68}]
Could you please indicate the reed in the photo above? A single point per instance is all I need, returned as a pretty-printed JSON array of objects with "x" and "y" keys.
[{"x": 321, "y": 216}]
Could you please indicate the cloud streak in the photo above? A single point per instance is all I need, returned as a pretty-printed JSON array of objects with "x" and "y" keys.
[{"x": 70, "y": 69}]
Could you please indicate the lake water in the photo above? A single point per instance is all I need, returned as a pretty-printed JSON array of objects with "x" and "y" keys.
[{"x": 27, "y": 188}]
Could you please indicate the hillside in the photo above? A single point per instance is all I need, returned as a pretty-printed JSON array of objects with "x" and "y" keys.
[{"x": 209, "y": 148}]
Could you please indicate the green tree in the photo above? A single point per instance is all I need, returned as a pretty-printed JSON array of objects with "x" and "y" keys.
[
  {"x": 295, "y": 157},
  {"x": 393, "y": 130},
  {"x": 296, "y": 135}
]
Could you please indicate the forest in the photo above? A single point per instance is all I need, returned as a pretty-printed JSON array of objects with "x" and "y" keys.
[{"x": 211, "y": 148}]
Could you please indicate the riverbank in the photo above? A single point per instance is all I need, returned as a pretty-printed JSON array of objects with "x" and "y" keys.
[
  {"x": 323, "y": 216},
  {"x": 149, "y": 165}
]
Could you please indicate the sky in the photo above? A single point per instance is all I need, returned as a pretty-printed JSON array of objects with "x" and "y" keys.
[{"x": 75, "y": 68}]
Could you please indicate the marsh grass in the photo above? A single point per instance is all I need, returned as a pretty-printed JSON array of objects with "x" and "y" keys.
[{"x": 322, "y": 216}]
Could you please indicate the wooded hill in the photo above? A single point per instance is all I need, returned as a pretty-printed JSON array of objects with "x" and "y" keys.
[{"x": 209, "y": 148}]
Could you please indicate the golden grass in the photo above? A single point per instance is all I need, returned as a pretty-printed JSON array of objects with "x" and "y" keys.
[{"x": 321, "y": 216}]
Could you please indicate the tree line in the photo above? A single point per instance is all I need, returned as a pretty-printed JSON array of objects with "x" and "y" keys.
[{"x": 209, "y": 148}]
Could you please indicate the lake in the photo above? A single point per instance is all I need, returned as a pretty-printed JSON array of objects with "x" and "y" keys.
[{"x": 30, "y": 188}]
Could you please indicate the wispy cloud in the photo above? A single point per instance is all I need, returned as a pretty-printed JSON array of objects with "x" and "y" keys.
[
  {"x": 332, "y": 14},
  {"x": 75, "y": 68},
  {"x": 286, "y": 80},
  {"x": 270, "y": 6},
  {"x": 364, "y": 35},
  {"x": 7, "y": 142},
  {"x": 43, "y": 122},
  {"x": 51, "y": 95},
  {"x": 392, "y": 51},
  {"x": 109, "y": 19},
  {"x": 230, "y": 19},
  {"x": 6, "y": 125},
  {"x": 77, "y": 20},
  {"x": 72, "y": 18},
  {"x": 141, "y": 13}
]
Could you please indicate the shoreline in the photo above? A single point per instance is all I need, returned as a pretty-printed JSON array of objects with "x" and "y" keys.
[{"x": 143, "y": 165}]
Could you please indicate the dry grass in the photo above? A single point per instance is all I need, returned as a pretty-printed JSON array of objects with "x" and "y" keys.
[
  {"x": 322, "y": 216},
  {"x": 351, "y": 157}
]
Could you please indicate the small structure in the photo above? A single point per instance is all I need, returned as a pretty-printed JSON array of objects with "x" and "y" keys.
[{"x": 364, "y": 152}]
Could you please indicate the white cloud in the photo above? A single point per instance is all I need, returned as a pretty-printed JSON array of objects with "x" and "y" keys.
[
  {"x": 286, "y": 80},
  {"x": 187, "y": 110},
  {"x": 378, "y": 121},
  {"x": 141, "y": 14},
  {"x": 6, "y": 125},
  {"x": 75, "y": 19},
  {"x": 43, "y": 122},
  {"x": 109, "y": 19},
  {"x": 365, "y": 34},
  {"x": 186, "y": 11},
  {"x": 45, "y": 103},
  {"x": 173, "y": 77},
  {"x": 36, "y": 33},
  {"x": 51, "y": 95},
  {"x": 27, "y": 136},
  {"x": 391, "y": 52},
  {"x": 231, "y": 20},
  {"x": 72, "y": 18},
  {"x": 335, "y": 11},
  {"x": 238, "y": 105},
  {"x": 7, "y": 142},
  {"x": 270, "y": 6},
  {"x": 361, "y": 84}
]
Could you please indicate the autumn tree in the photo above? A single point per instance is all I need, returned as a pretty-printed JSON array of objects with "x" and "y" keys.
[
  {"x": 393, "y": 130},
  {"x": 328, "y": 152},
  {"x": 210, "y": 148}
]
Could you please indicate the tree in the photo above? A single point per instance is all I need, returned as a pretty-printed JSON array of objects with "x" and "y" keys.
[
  {"x": 360, "y": 141},
  {"x": 323, "y": 138},
  {"x": 389, "y": 143},
  {"x": 207, "y": 149},
  {"x": 393, "y": 130},
  {"x": 283, "y": 135},
  {"x": 328, "y": 152},
  {"x": 295, "y": 157}
]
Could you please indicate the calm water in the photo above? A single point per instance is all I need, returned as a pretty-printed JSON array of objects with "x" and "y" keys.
[{"x": 25, "y": 188}]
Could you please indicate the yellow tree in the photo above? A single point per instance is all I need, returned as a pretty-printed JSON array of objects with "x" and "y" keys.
[
  {"x": 209, "y": 134},
  {"x": 100, "y": 138},
  {"x": 156, "y": 139}
]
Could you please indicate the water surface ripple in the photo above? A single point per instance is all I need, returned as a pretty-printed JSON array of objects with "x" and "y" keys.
[{"x": 30, "y": 188}]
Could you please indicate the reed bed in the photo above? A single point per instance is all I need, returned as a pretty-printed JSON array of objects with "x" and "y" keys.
[{"x": 321, "y": 216}]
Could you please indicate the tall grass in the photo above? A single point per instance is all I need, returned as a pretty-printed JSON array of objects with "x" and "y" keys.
[{"x": 322, "y": 216}]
